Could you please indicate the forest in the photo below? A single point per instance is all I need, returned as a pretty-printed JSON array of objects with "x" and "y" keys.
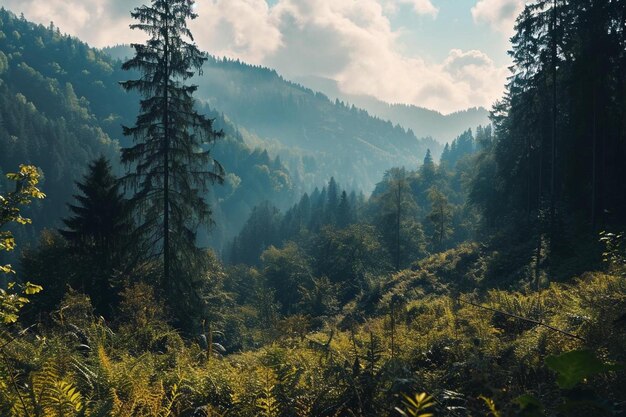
[{"x": 183, "y": 235}]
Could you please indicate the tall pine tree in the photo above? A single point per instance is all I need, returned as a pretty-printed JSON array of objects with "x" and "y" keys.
[{"x": 170, "y": 164}]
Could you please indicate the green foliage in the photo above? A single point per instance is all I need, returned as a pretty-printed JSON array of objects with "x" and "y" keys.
[
  {"x": 54, "y": 396},
  {"x": 491, "y": 405},
  {"x": 11, "y": 302},
  {"x": 348, "y": 256},
  {"x": 417, "y": 406},
  {"x": 577, "y": 366},
  {"x": 26, "y": 190},
  {"x": 286, "y": 270},
  {"x": 614, "y": 254},
  {"x": 529, "y": 406},
  {"x": 26, "y": 181},
  {"x": 138, "y": 365},
  {"x": 397, "y": 219},
  {"x": 553, "y": 169},
  {"x": 440, "y": 215},
  {"x": 267, "y": 403}
]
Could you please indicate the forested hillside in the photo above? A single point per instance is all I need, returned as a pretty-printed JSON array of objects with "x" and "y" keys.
[
  {"x": 44, "y": 121},
  {"x": 489, "y": 280},
  {"x": 410, "y": 213},
  {"x": 335, "y": 138},
  {"x": 423, "y": 122},
  {"x": 62, "y": 107}
]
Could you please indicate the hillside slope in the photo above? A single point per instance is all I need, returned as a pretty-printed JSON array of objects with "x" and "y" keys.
[{"x": 423, "y": 122}]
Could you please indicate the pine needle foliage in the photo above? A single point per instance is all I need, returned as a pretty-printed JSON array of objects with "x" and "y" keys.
[{"x": 170, "y": 164}]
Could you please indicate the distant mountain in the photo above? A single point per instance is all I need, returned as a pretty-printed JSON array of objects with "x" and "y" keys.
[
  {"x": 317, "y": 138},
  {"x": 423, "y": 122}
]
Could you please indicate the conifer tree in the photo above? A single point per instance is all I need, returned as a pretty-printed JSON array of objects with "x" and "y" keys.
[
  {"x": 344, "y": 211},
  {"x": 100, "y": 213},
  {"x": 99, "y": 233},
  {"x": 440, "y": 215},
  {"x": 396, "y": 217},
  {"x": 170, "y": 164},
  {"x": 333, "y": 201},
  {"x": 427, "y": 170}
]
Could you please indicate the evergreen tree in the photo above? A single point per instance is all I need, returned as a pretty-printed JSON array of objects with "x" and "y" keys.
[
  {"x": 445, "y": 155},
  {"x": 396, "y": 218},
  {"x": 555, "y": 162},
  {"x": 318, "y": 209},
  {"x": 345, "y": 215},
  {"x": 100, "y": 219},
  {"x": 304, "y": 209},
  {"x": 260, "y": 231},
  {"x": 170, "y": 164},
  {"x": 441, "y": 216},
  {"x": 427, "y": 170},
  {"x": 333, "y": 201},
  {"x": 98, "y": 232}
]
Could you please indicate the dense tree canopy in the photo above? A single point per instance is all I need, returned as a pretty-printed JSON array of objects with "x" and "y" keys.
[{"x": 554, "y": 166}]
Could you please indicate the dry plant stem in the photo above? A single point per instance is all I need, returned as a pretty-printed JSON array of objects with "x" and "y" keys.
[
  {"x": 13, "y": 382},
  {"x": 538, "y": 323}
]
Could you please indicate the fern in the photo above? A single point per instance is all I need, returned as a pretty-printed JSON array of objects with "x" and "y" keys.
[
  {"x": 304, "y": 406},
  {"x": 167, "y": 409},
  {"x": 53, "y": 395},
  {"x": 417, "y": 406},
  {"x": 267, "y": 403}
]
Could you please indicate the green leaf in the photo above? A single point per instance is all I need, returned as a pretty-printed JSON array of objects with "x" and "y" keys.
[
  {"x": 8, "y": 318},
  {"x": 529, "y": 406},
  {"x": 31, "y": 288},
  {"x": 6, "y": 269},
  {"x": 575, "y": 366}
]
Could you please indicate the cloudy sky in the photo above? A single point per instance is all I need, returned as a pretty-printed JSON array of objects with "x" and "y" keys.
[{"x": 445, "y": 55}]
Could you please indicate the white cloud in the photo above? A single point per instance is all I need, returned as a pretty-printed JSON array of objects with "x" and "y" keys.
[
  {"x": 236, "y": 28},
  {"x": 95, "y": 21},
  {"x": 325, "y": 37},
  {"x": 423, "y": 7},
  {"x": 499, "y": 14},
  {"x": 476, "y": 70},
  {"x": 420, "y": 7},
  {"x": 353, "y": 43}
]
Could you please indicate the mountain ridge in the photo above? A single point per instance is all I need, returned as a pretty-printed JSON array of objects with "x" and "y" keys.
[{"x": 424, "y": 122}]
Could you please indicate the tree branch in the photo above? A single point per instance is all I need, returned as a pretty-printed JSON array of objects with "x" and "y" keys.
[{"x": 538, "y": 323}]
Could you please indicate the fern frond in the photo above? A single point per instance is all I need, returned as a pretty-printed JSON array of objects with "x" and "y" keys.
[{"x": 55, "y": 397}]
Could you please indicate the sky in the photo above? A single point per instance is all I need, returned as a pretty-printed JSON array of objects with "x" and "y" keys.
[{"x": 445, "y": 55}]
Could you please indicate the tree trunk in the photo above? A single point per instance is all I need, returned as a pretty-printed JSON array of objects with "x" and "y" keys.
[
  {"x": 554, "y": 119},
  {"x": 166, "y": 163}
]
